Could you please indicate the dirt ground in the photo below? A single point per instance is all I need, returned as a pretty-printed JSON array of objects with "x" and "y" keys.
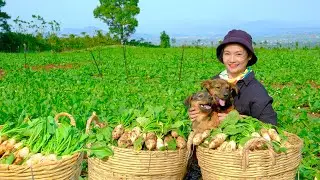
[
  {"x": 2, "y": 73},
  {"x": 48, "y": 67}
]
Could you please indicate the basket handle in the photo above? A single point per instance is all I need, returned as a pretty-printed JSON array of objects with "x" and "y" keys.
[
  {"x": 250, "y": 144},
  {"x": 94, "y": 118},
  {"x": 72, "y": 120}
]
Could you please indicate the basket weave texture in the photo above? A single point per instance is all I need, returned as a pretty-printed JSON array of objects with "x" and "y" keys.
[
  {"x": 144, "y": 165},
  {"x": 259, "y": 164},
  {"x": 67, "y": 168}
]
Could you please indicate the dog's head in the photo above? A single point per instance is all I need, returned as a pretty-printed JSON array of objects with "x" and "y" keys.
[
  {"x": 201, "y": 100},
  {"x": 221, "y": 91}
]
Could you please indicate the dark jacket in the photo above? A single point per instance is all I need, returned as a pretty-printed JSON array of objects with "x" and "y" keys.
[{"x": 253, "y": 100}]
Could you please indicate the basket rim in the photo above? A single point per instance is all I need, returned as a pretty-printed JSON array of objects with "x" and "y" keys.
[
  {"x": 146, "y": 151},
  {"x": 77, "y": 155},
  {"x": 298, "y": 145}
]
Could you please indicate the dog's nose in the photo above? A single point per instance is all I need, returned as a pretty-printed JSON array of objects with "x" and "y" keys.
[{"x": 226, "y": 95}]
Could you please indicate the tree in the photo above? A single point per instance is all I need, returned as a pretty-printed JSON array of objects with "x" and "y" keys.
[
  {"x": 3, "y": 18},
  {"x": 173, "y": 41},
  {"x": 164, "y": 40},
  {"x": 119, "y": 15}
]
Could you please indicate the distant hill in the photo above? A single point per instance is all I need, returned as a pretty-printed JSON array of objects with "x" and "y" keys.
[
  {"x": 90, "y": 30},
  {"x": 271, "y": 31}
]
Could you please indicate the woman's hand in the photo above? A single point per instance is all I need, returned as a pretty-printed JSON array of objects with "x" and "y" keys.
[{"x": 193, "y": 114}]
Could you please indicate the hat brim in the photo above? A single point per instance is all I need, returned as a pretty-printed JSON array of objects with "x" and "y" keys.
[{"x": 237, "y": 40}]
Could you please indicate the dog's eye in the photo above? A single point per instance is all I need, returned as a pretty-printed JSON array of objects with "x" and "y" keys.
[{"x": 218, "y": 87}]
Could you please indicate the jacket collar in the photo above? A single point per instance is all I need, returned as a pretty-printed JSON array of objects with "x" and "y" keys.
[{"x": 248, "y": 79}]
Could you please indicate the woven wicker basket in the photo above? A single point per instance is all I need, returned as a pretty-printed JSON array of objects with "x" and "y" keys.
[
  {"x": 66, "y": 168},
  {"x": 245, "y": 165},
  {"x": 142, "y": 165},
  {"x": 128, "y": 164}
]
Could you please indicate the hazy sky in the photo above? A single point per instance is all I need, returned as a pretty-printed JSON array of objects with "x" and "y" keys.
[{"x": 158, "y": 15}]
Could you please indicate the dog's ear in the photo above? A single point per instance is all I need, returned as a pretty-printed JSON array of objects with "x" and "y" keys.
[
  {"x": 187, "y": 102},
  {"x": 207, "y": 84}
]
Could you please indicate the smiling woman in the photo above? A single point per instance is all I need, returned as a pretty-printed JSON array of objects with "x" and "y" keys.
[{"x": 237, "y": 54}]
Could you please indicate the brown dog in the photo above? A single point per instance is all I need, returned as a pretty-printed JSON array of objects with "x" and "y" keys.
[
  {"x": 217, "y": 99},
  {"x": 222, "y": 93},
  {"x": 201, "y": 101}
]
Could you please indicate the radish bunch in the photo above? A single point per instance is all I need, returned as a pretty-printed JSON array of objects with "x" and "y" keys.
[
  {"x": 38, "y": 140},
  {"x": 140, "y": 140},
  {"x": 237, "y": 132}
]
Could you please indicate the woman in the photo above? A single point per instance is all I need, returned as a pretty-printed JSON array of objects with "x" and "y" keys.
[{"x": 237, "y": 55}]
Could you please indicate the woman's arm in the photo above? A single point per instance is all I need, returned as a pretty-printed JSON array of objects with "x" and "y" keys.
[{"x": 262, "y": 110}]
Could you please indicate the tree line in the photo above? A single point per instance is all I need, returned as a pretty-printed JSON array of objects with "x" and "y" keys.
[{"x": 42, "y": 35}]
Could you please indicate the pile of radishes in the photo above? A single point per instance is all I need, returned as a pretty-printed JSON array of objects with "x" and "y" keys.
[
  {"x": 236, "y": 133},
  {"x": 148, "y": 129},
  {"x": 140, "y": 140}
]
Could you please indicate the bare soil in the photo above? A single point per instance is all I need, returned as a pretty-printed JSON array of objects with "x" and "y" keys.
[
  {"x": 49, "y": 67},
  {"x": 2, "y": 73}
]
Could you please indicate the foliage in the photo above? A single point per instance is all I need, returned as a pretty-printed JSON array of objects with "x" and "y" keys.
[
  {"x": 44, "y": 135},
  {"x": 164, "y": 40},
  {"x": 13, "y": 42},
  {"x": 4, "y": 26},
  {"x": 38, "y": 26},
  {"x": 119, "y": 15},
  {"x": 41, "y": 35},
  {"x": 141, "y": 42}
]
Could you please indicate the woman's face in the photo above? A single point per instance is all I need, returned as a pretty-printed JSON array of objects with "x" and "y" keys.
[{"x": 235, "y": 58}]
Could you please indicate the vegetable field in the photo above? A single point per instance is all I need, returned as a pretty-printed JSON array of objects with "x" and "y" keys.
[{"x": 156, "y": 80}]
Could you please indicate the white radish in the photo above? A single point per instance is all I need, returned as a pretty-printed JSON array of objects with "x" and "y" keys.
[
  {"x": 206, "y": 142},
  {"x": 144, "y": 136},
  {"x": 190, "y": 140},
  {"x": 117, "y": 131},
  {"x": 174, "y": 134},
  {"x": 151, "y": 144},
  {"x": 151, "y": 135},
  {"x": 20, "y": 155},
  {"x": 66, "y": 156},
  {"x": 181, "y": 142},
  {"x": 206, "y": 134},
  {"x": 7, "y": 146},
  {"x": 197, "y": 139},
  {"x": 223, "y": 146},
  {"x": 274, "y": 135},
  {"x": 231, "y": 146},
  {"x": 124, "y": 141},
  {"x": 255, "y": 134},
  {"x": 160, "y": 144},
  {"x": 35, "y": 159},
  {"x": 135, "y": 133},
  {"x": 51, "y": 157},
  {"x": 265, "y": 134},
  {"x": 217, "y": 140}
]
